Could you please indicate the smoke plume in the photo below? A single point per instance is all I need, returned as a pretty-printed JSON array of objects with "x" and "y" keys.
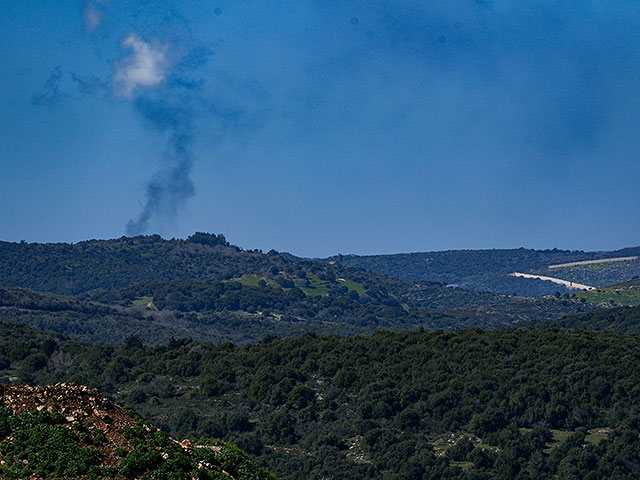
[
  {"x": 50, "y": 94},
  {"x": 154, "y": 75},
  {"x": 170, "y": 187}
]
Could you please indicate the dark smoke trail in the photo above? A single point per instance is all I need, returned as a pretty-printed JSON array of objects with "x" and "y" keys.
[
  {"x": 170, "y": 188},
  {"x": 50, "y": 95}
]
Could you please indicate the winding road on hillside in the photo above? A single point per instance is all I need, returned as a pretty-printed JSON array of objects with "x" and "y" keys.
[{"x": 559, "y": 281}]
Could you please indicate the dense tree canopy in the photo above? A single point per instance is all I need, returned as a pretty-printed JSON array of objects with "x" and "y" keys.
[{"x": 464, "y": 404}]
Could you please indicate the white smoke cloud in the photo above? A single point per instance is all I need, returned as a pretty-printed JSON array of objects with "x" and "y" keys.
[
  {"x": 92, "y": 17},
  {"x": 147, "y": 66}
]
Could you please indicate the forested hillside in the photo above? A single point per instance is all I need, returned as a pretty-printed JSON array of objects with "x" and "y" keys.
[
  {"x": 252, "y": 308},
  {"x": 487, "y": 270},
  {"x": 467, "y": 405},
  {"x": 164, "y": 321},
  {"x": 623, "y": 320},
  {"x": 107, "y": 265},
  {"x": 597, "y": 274},
  {"x": 111, "y": 264}
]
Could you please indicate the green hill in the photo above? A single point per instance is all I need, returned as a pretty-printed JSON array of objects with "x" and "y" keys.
[
  {"x": 206, "y": 289},
  {"x": 95, "y": 266},
  {"x": 488, "y": 270},
  {"x": 624, "y": 294},
  {"x": 618, "y": 310},
  {"x": 598, "y": 274},
  {"x": 108, "y": 265}
]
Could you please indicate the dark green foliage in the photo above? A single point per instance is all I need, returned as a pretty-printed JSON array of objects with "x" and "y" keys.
[
  {"x": 279, "y": 428},
  {"x": 622, "y": 320},
  {"x": 364, "y": 408},
  {"x": 231, "y": 459},
  {"x": 205, "y": 289},
  {"x": 92, "y": 265},
  {"x": 461, "y": 450},
  {"x": 41, "y": 445},
  {"x": 147, "y": 455},
  {"x": 210, "y": 239},
  {"x": 107, "y": 265}
]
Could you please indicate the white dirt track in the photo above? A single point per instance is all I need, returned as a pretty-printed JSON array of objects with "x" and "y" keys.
[
  {"x": 559, "y": 281},
  {"x": 591, "y": 262}
]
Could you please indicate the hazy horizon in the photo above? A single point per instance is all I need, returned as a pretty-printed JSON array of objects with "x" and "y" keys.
[{"x": 302, "y": 255}]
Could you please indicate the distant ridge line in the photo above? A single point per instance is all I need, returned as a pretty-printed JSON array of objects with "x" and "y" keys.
[{"x": 591, "y": 262}]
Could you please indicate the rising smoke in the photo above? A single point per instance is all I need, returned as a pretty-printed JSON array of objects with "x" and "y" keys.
[
  {"x": 153, "y": 73},
  {"x": 170, "y": 187},
  {"x": 50, "y": 94},
  {"x": 146, "y": 68}
]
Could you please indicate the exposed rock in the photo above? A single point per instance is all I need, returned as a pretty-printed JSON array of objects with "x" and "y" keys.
[
  {"x": 82, "y": 409},
  {"x": 77, "y": 404}
]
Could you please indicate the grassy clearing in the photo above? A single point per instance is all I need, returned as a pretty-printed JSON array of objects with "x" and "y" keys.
[
  {"x": 144, "y": 302},
  {"x": 250, "y": 280},
  {"x": 253, "y": 280},
  {"x": 405, "y": 306},
  {"x": 595, "y": 436},
  {"x": 595, "y": 267},
  {"x": 311, "y": 285},
  {"x": 618, "y": 295},
  {"x": 351, "y": 285},
  {"x": 560, "y": 436},
  {"x": 315, "y": 286},
  {"x": 442, "y": 443}
]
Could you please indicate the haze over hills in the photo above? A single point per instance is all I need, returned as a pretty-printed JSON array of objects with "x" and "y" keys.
[{"x": 488, "y": 270}]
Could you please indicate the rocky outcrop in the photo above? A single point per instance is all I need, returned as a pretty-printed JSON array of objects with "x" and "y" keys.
[{"x": 71, "y": 431}]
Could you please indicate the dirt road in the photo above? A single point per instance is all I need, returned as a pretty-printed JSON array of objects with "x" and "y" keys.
[
  {"x": 591, "y": 262},
  {"x": 559, "y": 281}
]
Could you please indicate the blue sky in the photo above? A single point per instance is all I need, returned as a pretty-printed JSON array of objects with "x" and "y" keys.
[{"x": 319, "y": 127}]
